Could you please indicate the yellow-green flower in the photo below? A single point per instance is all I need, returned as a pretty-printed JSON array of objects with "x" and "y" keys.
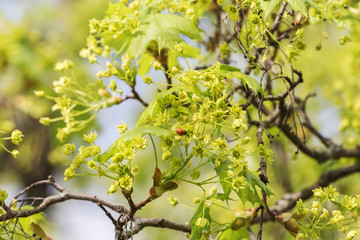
[
  {"x": 351, "y": 235},
  {"x": 202, "y": 222},
  {"x": 91, "y": 137},
  {"x": 147, "y": 79},
  {"x": 69, "y": 173},
  {"x": 61, "y": 66},
  {"x": 118, "y": 157},
  {"x": 39, "y": 93},
  {"x": 113, "y": 187},
  {"x": 213, "y": 191},
  {"x": 68, "y": 148},
  {"x": 92, "y": 164},
  {"x": 126, "y": 182},
  {"x": 113, "y": 85},
  {"x": 195, "y": 174},
  {"x": 3, "y": 195},
  {"x": 324, "y": 214},
  {"x": 45, "y": 121},
  {"x": 173, "y": 201},
  {"x": 337, "y": 217},
  {"x": 15, "y": 153},
  {"x": 16, "y": 136},
  {"x": 238, "y": 183}
]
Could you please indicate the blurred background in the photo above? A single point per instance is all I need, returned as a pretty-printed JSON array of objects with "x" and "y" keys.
[{"x": 36, "y": 34}]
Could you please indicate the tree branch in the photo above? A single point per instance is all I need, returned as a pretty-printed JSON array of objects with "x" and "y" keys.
[
  {"x": 288, "y": 200},
  {"x": 141, "y": 223},
  {"x": 64, "y": 195}
]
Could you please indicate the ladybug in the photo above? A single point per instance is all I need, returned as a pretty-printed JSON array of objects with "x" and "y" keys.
[{"x": 180, "y": 132}]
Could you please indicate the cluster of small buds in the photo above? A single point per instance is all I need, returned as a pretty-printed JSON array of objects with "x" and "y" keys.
[
  {"x": 16, "y": 137},
  {"x": 61, "y": 66},
  {"x": 337, "y": 217},
  {"x": 85, "y": 102},
  {"x": 321, "y": 219},
  {"x": 122, "y": 128},
  {"x": 125, "y": 183},
  {"x": 83, "y": 153},
  {"x": 202, "y": 222},
  {"x": 61, "y": 84},
  {"x": 111, "y": 70},
  {"x": 351, "y": 235},
  {"x": 173, "y": 201}
]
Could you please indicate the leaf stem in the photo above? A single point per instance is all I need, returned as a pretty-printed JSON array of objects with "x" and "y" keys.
[{"x": 152, "y": 141}]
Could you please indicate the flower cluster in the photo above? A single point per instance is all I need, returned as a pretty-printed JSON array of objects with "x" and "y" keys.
[
  {"x": 320, "y": 217},
  {"x": 117, "y": 167},
  {"x": 78, "y": 105},
  {"x": 16, "y": 137}
]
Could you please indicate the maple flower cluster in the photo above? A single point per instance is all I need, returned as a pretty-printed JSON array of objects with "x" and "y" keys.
[
  {"x": 319, "y": 217},
  {"x": 16, "y": 137}
]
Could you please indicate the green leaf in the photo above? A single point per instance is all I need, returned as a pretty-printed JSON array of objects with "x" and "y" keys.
[
  {"x": 223, "y": 197},
  {"x": 145, "y": 64},
  {"x": 272, "y": 36},
  {"x": 197, "y": 230},
  {"x": 221, "y": 172},
  {"x": 314, "y": 5},
  {"x": 298, "y": 5},
  {"x": 229, "y": 234},
  {"x": 36, "y": 229},
  {"x": 249, "y": 195},
  {"x": 189, "y": 51},
  {"x": 113, "y": 7},
  {"x": 163, "y": 28},
  {"x": 256, "y": 181},
  {"x": 151, "y": 109},
  {"x": 233, "y": 72},
  {"x": 229, "y": 68},
  {"x": 131, "y": 134},
  {"x": 271, "y": 6},
  {"x": 251, "y": 83}
]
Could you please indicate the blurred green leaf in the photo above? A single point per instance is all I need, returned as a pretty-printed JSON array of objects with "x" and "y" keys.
[
  {"x": 229, "y": 234},
  {"x": 221, "y": 172},
  {"x": 145, "y": 64},
  {"x": 255, "y": 181},
  {"x": 163, "y": 28},
  {"x": 298, "y": 5},
  {"x": 233, "y": 72}
]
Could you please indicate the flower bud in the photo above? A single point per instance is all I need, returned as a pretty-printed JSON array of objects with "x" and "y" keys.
[
  {"x": 15, "y": 153},
  {"x": 202, "y": 222},
  {"x": 173, "y": 201},
  {"x": 39, "y": 93},
  {"x": 213, "y": 191},
  {"x": 45, "y": 121},
  {"x": 3, "y": 195},
  {"x": 104, "y": 93},
  {"x": 16, "y": 136},
  {"x": 68, "y": 148}
]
